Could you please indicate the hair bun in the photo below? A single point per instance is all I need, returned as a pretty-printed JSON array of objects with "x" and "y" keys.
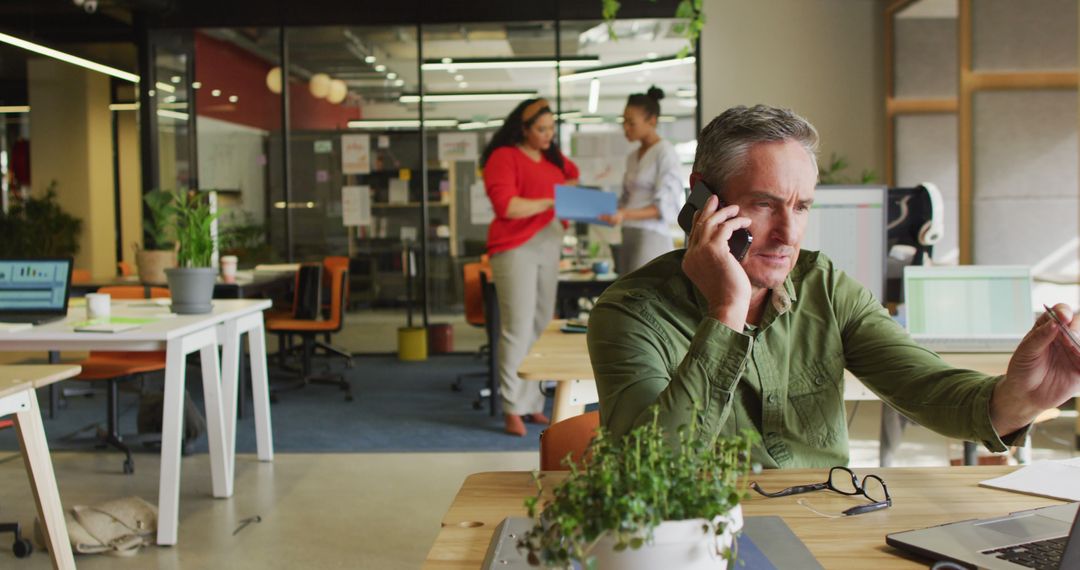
[{"x": 655, "y": 93}]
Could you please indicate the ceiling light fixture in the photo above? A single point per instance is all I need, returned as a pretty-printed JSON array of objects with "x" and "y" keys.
[
  {"x": 508, "y": 63},
  {"x": 380, "y": 68},
  {"x": 196, "y": 84},
  {"x": 467, "y": 97},
  {"x": 391, "y": 75},
  {"x": 13, "y": 109},
  {"x": 594, "y": 95},
  {"x": 400, "y": 123},
  {"x": 626, "y": 68},
  {"x": 216, "y": 93},
  {"x": 68, "y": 58},
  {"x": 233, "y": 98},
  {"x": 369, "y": 59}
]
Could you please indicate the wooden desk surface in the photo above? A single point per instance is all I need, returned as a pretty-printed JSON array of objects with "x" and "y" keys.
[
  {"x": 14, "y": 378},
  {"x": 921, "y": 497}
]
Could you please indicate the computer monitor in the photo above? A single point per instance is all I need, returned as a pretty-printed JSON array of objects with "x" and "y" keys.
[
  {"x": 38, "y": 286},
  {"x": 847, "y": 223},
  {"x": 968, "y": 300}
]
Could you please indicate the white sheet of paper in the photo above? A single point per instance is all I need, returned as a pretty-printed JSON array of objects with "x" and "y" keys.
[
  {"x": 480, "y": 210},
  {"x": 458, "y": 146},
  {"x": 355, "y": 154},
  {"x": 399, "y": 191},
  {"x": 356, "y": 205},
  {"x": 1054, "y": 479}
]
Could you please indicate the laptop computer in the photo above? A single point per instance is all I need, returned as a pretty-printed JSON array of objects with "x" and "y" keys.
[
  {"x": 968, "y": 308},
  {"x": 1047, "y": 538},
  {"x": 34, "y": 291}
]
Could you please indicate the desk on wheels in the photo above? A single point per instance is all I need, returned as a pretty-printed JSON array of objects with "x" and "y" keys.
[
  {"x": 178, "y": 336},
  {"x": 922, "y": 497},
  {"x": 17, "y": 397}
]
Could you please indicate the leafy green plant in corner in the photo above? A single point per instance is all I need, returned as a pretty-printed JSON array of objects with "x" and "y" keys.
[
  {"x": 192, "y": 226},
  {"x": 689, "y": 11},
  {"x": 832, "y": 172},
  {"x": 39, "y": 227},
  {"x": 629, "y": 486},
  {"x": 160, "y": 223}
]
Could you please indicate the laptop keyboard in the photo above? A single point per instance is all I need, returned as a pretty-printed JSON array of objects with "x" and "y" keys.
[{"x": 1042, "y": 554}]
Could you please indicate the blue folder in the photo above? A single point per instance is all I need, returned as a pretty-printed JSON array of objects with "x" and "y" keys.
[{"x": 576, "y": 204}]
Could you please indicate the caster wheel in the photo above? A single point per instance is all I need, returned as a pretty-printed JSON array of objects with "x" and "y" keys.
[
  {"x": 477, "y": 405},
  {"x": 129, "y": 467},
  {"x": 22, "y": 548},
  {"x": 455, "y": 388}
]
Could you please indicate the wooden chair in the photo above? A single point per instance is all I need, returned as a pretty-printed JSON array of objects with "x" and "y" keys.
[
  {"x": 115, "y": 366},
  {"x": 310, "y": 327},
  {"x": 571, "y": 435}
]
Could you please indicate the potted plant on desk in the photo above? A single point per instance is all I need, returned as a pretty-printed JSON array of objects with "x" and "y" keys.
[
  {"x": 191, "y": 283},
  {"x": 644, "y": 502},
  {"x": 152, "y": 262}
]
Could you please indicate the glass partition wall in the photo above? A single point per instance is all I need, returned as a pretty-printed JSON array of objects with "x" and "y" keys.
[{"x": 316, "y": 143}]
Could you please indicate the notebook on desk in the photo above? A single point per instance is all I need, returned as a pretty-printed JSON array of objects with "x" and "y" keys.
[
  {"x": 34, "y": 291},
  {"x": 968, "y": 308}
]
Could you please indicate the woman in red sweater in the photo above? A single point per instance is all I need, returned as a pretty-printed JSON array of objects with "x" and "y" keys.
[{"x": 522, "y": 164}]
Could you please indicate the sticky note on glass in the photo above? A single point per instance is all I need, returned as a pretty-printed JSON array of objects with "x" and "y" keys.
[{"x": 577, "y": 204}]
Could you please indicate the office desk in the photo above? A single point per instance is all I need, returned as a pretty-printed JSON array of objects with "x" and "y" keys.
[
  {"x": 17, "y": 397},
  {"x": 248, "y": 285},
  {"x": 564, "y": 357},
  {"x": 178, "y": 336},
  {"x": 921, "y": 497},
  {"x": 574, "y": 285}
]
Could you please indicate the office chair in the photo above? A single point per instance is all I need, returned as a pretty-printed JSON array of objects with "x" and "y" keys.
[
  {"x": 115, "y": 366},
  {"x": 474, "y": 311},
  {"x": 329, "y": 263},
  {"x": 307, "y": 323},
  {"x": 81, "y": 276},
  {"x": 571, "y": 435},
  {"x": 492, "y": 328},
  {"x": 22, "y": 547},
  {"x": 124, "y": 268}
]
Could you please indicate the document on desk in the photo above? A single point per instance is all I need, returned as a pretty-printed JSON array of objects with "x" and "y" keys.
[
  {"x": 1053, "y": 479},
  {"x": 577, "y": 204}
]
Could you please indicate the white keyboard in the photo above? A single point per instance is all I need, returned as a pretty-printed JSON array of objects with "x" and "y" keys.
[{"x": 974, "y": 344}]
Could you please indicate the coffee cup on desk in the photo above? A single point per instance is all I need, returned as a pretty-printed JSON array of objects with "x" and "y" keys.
[
  {"x": 601, "y": 267},
  {"x": 97, "y": 305},
  {"x": 228, "y": 268}
]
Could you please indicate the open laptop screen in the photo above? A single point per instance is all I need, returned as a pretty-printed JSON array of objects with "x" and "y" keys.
[
  {"x": 34, "y": 285},
  {"x": 968, "y": 300}
]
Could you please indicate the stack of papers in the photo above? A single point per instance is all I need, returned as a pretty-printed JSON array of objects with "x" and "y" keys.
[
  {"x": 1053, "y": 479},
  {"x": 14, "y": 327}
]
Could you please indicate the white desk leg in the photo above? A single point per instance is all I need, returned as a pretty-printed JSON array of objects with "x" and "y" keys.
[
  {"x": 220, "y": 465},
  {"x": 43, "y": 483},
  {"x": 260, "y": 390},
  {"x": 173, "y": 407},
  {"x": 229, "y": 335}
]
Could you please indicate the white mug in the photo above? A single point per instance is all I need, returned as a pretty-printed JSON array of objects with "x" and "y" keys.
[
  {"x": 97, "y": 305},
  {"x": 228, "y": 268}
]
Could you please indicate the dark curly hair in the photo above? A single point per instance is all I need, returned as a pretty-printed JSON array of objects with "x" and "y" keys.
[{"x": 512, "y": 133}]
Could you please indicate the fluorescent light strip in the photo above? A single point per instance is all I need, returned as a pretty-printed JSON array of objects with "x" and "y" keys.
[
  {"x": 123, "y": 106},
  {"x": 585, "y": 120},
  {"x": 172, "y": 115},
  {"x": 68, "y": 58},
  {"x": 165, "y": 87},
  {"x": 401, "y": 123},
  {"x": 13, "y": 109},
  {"x": 594, "y": 95},
  {"x": 472, "y": 125},
  {"x": 467, "y": 97},
  {"x": 447, "y": 64},
  {"x": 630, "y": 68}
]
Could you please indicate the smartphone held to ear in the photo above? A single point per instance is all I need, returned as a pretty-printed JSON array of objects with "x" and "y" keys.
[{"x": 740, "y": 241}]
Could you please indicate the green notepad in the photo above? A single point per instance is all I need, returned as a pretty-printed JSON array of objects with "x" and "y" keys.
[{"x": 112, "y": 324}]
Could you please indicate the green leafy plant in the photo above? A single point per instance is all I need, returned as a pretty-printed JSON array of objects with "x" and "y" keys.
[
  {"x": 629, "y": 486},
  {"x": 192, "y": 225},
  {"x": 39, "y": 227},
  {"x": 160, "y": 223},
  {"x": 242, "y": 236},
  {"x": 832, "y": 172},
  {"x": 691, "y": 11}
]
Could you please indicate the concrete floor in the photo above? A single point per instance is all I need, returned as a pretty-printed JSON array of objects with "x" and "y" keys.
[{"x": 345, "y": 510}]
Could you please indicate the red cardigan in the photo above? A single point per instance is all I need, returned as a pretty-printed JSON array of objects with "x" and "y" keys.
[{"x": 510, "y": 172}]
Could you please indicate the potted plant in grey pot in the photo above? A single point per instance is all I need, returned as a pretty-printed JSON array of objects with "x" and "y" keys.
[
  {"x": 644, "y": 501},
  {"x": 151, "y": 263},
  {"x": 191, "y": 283}
]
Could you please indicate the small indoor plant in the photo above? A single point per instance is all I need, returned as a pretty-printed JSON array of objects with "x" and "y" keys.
[
  {"x": 39, "y": 227},
  {"x": 191, "y": 282},
  {"x": 160, "y": 252},
  {"x": 644, "y": 501}
]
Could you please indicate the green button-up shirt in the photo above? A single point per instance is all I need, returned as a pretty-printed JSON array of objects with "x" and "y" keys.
[{"x": 650, "y": 341}]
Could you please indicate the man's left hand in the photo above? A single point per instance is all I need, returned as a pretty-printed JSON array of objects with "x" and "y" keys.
[{"x": 1043, "y": 373}]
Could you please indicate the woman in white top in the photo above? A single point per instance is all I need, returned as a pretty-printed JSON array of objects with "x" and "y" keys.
[{"x": 652, "y": 186}]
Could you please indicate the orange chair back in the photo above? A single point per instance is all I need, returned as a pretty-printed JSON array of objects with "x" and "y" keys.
[
  {"x": 81, "y": 276},
  {"x": 474, "y": 291},
  {"x": 125, "y": 269},
  {"x": 568, "y": 436},
  {"x": 339, "y": 294},
  {"x": 134, "y": 292}
]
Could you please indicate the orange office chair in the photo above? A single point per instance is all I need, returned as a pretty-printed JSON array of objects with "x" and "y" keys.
[
  {"x": 479, "y": 292},
  {"x": 308, "y": 327},
  {"x": 572, "y": 436},
  {"x": 124, "y": 268},
  {"x": 81, "y": 276},
  {"x": 121, "y": 365},
  {"x": 329, "y": 263}
]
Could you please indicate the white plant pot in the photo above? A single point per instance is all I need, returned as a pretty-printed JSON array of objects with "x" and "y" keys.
[{"x": 676, "y": 545}]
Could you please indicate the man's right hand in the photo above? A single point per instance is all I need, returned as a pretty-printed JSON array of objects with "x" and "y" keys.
[{"x": 712, "y": 267}]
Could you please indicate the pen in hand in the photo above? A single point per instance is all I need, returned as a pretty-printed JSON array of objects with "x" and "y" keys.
[{"x": 1064, "y": 329}]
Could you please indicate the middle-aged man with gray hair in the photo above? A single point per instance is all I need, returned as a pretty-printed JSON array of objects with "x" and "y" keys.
[{"x": 762, "y": 343}]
